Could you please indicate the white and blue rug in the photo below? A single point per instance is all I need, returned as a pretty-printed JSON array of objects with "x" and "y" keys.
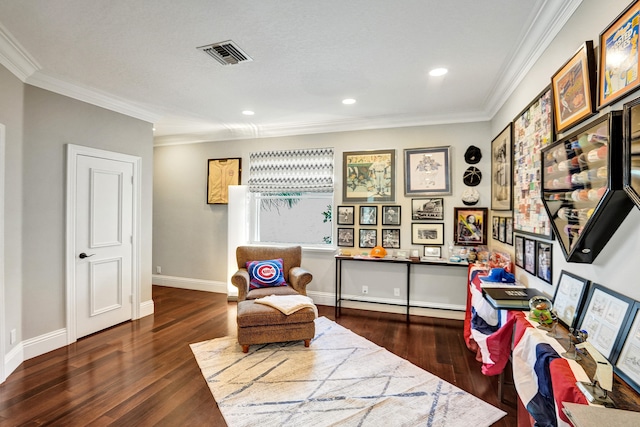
[{"x": 342, "y": 379}]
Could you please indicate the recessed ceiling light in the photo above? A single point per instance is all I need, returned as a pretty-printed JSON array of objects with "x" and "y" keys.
[
  {"x": 436, "y": 72},
  {"x": 248, "y": 113},
  {"x": 348, "y": 101}
]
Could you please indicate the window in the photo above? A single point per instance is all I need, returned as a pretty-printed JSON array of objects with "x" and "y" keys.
[
  {"x": 292, "y": 196},
  {"x": 301, "y": 218}
]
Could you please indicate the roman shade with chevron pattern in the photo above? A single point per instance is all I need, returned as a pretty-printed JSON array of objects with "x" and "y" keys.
[{"x": 291, "y": 171}]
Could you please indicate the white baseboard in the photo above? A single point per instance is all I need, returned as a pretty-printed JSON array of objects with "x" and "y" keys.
[
  {"x": 44, "y": 343},
  {"x": 191, "y": 284},
  {"x": 13, "y": 359},
  {"x": 146, "y": 308}
]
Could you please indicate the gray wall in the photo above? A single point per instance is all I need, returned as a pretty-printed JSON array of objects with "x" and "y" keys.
[
  {"x": 39, "y": 124},
  {"x": 614, "y": 267},
  {"x": 190, "y": 236}
]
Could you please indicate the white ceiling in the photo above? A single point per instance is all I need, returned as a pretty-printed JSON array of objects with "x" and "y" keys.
[{"x": 139, "y": 57}]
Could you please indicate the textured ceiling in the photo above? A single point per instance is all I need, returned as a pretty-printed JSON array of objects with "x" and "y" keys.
[{"x": 140, "y": 58}]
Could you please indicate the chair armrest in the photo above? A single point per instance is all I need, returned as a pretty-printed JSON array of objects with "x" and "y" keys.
[
  {"x": 240, "y": 280},
  {"x": 299, "y": 278}
]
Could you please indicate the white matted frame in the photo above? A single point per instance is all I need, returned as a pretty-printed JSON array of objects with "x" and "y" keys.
[
  {"x": 427, "y": 171},
  {"x": 569, "y": 298},
  {"x": 427, "y": 234},
  {"x": 626, "y": 357}
]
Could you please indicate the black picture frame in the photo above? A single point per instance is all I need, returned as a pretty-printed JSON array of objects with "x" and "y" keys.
[
  {"x": 569, "y": 297},
  {"x": 530, "y": 256},
  {"x": 346, "y": 237},
  {"x": 427, "y": 209},
  {"x": 509, "y": 231},
  {"x": 604, "y": 316},
  {"x": 429, "y": 233},
  {"x": 495, "y": 227},
  {"x": 631, "y": 150},
  {"x": 519, "y": 251},
  {"x": 345, "y": 215},
  {"x": 391, "y": 238},
  {"x": 427, "y": 171},
  {"x": 502, "y": 226},
  {"x": 544, "y": 262},
  {"x": 368, "y": 215},
  {"x": 470, "y": 226},
  {"x": 221, "y": 173},
  {"x": 501, "y": 174},
  {"x": 626, "y": 354},
  {"x": 368, "y": 238},
  {"x": 391, "y": 214}
]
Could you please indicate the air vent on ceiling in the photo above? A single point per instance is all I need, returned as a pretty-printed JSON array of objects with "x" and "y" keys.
[{"x": 226, "y": 53}]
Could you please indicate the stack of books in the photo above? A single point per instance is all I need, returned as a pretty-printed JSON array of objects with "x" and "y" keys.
[{"x": 509, "y": 297}]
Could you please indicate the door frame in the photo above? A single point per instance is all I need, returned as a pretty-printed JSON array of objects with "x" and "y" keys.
[
  {"x": 73, "y": 152},
  {"x": 3, "y": 299}
]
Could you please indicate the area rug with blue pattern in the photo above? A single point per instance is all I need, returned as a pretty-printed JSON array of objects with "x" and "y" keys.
[{"x": 342, "y": 379}]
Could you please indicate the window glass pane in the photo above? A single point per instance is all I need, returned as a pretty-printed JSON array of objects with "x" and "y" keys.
[{"x": 302, "y": 219}]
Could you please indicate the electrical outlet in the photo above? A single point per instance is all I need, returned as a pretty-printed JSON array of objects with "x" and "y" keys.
[
  {"x": 12, "y": 336},
  {"x": 396, "y": 292},
  {"x": 158, "y": 269},
  {"x": 365, "y": 289}
]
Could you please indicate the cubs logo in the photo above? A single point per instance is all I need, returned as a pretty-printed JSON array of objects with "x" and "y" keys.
[{"x": 266, "y": 272}]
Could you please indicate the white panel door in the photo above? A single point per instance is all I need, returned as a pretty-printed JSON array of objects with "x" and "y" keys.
[{"x": 104, "y": 221}]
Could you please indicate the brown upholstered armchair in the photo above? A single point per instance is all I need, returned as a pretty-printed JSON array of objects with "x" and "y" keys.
[{"x": 296, "y": 277}]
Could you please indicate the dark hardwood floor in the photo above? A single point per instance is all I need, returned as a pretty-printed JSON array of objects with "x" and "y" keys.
[{"x": 143, "y": 373}]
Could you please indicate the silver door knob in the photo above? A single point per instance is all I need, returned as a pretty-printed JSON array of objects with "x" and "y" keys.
[{"x": 83, "y": 255}]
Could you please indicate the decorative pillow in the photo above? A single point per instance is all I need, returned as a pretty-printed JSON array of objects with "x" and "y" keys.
[{"x": 265, "y": 274}]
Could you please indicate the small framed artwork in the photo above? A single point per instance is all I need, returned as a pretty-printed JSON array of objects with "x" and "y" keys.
[
  {"x": 391, "y": 215},
  {"x": 369, "y": 176},
  {"x": 501, "y": 177},
  {"x": 368, "y": 237},
  {"x": 544, "y": 264},
  {"x": 427, "y": 171},
  {"x": 368, "y": 215},
  {"x": 530, "y": 256},
  {"x": 619, "y": 67},
  {"x": 346, "y": 237},
  {"x": 427, "y": 234},
  {"x": 502, "y": 224},
  {"x": 626, "y": 357},
  {"x": 346, "y": 215},
  {"x": 222, "y": 173},
  {"x": 519, "y": 251},
  {"x": 604, "y": 316},
  {"x": 495, "y": 227},
  {"x": 391, "y": 238},
  {"x": 508, "y": 231},
  {"x": 569, "y": 297},
  {"x": 432, "y": 252},
  {"x": 431, "y": 209},
  {"x": 470, "y": 226},
  {"x": 573, "y": 88}
]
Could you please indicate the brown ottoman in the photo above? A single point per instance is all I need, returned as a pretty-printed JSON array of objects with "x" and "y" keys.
[{"x": 261, "y": 324}]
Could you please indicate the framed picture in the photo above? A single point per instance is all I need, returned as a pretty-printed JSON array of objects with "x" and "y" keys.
[
  {"x": 508, "y": 232},
  {"x": 432, "y": 252},
  {"x": 427, "y": 209},
  {"x": 369, "y": 176},
  {"x": 569, "y": 297},
  {"x": 368, "y": 237},
  {"x": 368, "y": 215},
  {"x": 545, "y": 261},
  {"x": 346, "y": 237},
  {"x": 470, "y": 226},
  {"x": 604, "y": 316},
  {"x": 391, "y": 238},
  {"x": 495, "y": 229},
  {"x": 573, "y": 88},
  {"x": 391, "y": 215},
  {"x": 501, "y": 178},
  {"x": 346, "y": 215},
  {"x": 519, "y": 251},
  {"x": 427, "y": 234},
  {"x": 427, "y": 171},
  {"x": 626, "y": 356},
  {"x": 532, "y": 131},
  {"x": 619, "y": 70},
  {"x": 530, "y": 256},
  {"x": 221, "y": 173},
  {"x": 502, "y": 223}
]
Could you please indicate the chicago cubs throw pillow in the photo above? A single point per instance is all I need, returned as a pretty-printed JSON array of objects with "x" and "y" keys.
[{"x": 264, "y": 274}]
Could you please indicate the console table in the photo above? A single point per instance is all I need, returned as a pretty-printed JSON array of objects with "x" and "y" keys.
[{"x": 407, "y": 262}]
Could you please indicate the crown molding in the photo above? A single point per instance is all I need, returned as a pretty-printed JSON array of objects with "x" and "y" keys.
[
  {"x": 14, "y": 57},
  {"x": 547, "y": 23}
]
